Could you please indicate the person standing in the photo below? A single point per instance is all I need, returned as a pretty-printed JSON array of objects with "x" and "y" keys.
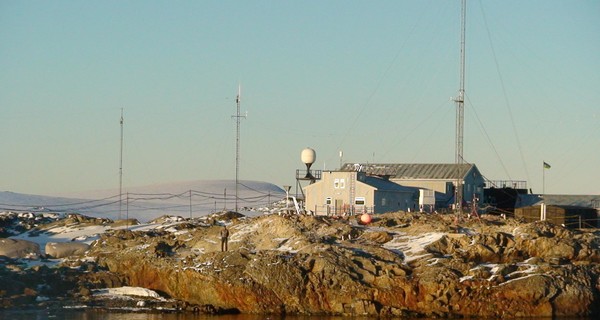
[{"x": 224, "y": 237}]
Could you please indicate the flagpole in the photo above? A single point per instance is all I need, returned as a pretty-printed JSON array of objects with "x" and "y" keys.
[
  {"x": 545, "y": 166},
  {"x": 543, "y": 178},
  {"x": 543, "y": 205}
]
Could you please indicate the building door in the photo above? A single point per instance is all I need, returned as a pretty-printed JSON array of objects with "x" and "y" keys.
[{"x": 339, "y": 205}]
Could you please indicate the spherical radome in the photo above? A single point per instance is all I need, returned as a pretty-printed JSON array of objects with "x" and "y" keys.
[{"x": 308, "y": 156}]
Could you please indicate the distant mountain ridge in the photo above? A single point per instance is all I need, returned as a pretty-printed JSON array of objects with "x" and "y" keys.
[{"x": 185, "y": 198}]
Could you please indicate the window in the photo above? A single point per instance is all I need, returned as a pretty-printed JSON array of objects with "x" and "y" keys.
[
  {"x": 328, "y": 200},
  {"x": 342, "y": 183},
  {"x": 359, "y": 201},
  {"x": 383, "y": 201},
  {"x": 336, "y": 184}
]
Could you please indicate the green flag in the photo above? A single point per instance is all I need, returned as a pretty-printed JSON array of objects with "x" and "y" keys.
[{"x": 546, "y": 165}]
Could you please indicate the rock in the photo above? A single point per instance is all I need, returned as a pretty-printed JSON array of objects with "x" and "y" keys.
[
  {"x": 401, "y": 265},
  {"x": 58, "y": 250},
  {"x": 15, "y": 248},
  {"x": 377, "y": 236}
]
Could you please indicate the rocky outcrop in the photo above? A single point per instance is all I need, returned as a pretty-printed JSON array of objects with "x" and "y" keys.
[{"x": 403, "y": 264}]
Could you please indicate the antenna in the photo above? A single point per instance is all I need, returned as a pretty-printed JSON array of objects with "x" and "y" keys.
[
  {"x": 121, "y": 169},
  {"x": 460, "y": 106},
  {"x": 237, "y": 117}
]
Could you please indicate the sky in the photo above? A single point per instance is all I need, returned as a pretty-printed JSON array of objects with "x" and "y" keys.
[{"x": 373, "y": 79}]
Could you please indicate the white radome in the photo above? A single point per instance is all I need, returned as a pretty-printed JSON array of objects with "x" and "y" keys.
[{"x": 308, "y": 156}]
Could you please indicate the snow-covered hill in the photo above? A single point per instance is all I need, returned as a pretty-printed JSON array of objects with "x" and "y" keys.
[{"x": 187, "y": 198}]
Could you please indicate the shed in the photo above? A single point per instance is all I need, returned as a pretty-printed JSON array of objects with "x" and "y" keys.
[{"x": 569, "y": 216}]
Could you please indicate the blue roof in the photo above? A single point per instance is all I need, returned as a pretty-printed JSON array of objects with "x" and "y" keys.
[
  {"x": 386, "y": 185},
  {"x": 437, "y": 171},
  {"x": 565, "y": 200}
]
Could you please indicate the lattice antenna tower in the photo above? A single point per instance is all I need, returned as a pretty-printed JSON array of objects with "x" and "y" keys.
[
  {"x": 237, "y": 117},
  {"x": 460, "y": 107}
]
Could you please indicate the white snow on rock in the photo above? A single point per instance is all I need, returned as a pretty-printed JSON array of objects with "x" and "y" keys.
[
  {"x": 127, "y": 291},
  {"x": 412, "y": 247}
]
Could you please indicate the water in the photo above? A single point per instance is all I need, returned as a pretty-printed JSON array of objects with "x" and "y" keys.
[
  {"x": 97, "y": 314},
  {"x": 65, "y": 314}
]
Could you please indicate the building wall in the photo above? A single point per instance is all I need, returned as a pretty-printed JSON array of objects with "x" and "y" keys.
[
  {"x": 331, "y": 195},
  {"x": 394, "y": 201},
  {"x": 473, "y": 184},
  {"x": 441, "y": 186}
]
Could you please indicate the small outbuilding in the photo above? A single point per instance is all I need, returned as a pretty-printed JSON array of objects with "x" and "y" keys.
[
  {"x": 568, "y": 216},
  {"x": 571, "y": 210}
]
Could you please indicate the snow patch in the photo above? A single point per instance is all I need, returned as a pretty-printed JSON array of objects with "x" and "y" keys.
[
  {"x": 127, "y": 291},
  {"x": 412, "y": 247}
]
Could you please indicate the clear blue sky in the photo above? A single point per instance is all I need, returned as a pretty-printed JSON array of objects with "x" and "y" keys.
[{"x": 371, "y": 78}]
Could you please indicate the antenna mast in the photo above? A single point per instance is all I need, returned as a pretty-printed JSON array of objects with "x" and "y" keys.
[
  {"x": 237, "y": 144},
  {"x": 121, "y": 169},
  {"x": 460, "y": 106}
]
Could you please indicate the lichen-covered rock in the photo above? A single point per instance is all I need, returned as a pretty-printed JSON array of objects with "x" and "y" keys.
[{"x": 402, "y": 265}]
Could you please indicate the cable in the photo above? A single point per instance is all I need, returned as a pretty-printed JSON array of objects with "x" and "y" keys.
[
  {"x": 487, "y": 136},
  {"x": 352, "y": 127},
  {"x": 512, "y": 121}
]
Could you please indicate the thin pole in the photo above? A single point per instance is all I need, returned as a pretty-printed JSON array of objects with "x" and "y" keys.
[
  {"x": 460, "y": 106},
  {"x": 543, "y": 180},
  {"x": 237, "y": 150},
  {"x": 121, "y": 169},
  {"x": 190, "y": 203},
  {"x": 127, "y": 211}
]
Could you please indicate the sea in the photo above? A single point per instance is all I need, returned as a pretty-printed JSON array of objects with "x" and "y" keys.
[
  {"x": 91, "y": 314},
  {"x": 108, "y": 315}
]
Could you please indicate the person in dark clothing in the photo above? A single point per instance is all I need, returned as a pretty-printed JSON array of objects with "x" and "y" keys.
[{"x": 224, "y": 236}]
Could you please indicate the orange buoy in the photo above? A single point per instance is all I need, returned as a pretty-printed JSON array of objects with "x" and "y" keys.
[{"x": 365, "y": 218}]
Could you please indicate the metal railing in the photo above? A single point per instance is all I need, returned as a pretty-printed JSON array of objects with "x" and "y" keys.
[
  {"x": 345, "y": 210},
  {"x": 304, "y": 174},
  {"x": 515, "y": 184},
  {"x": 573, "y": 221}
]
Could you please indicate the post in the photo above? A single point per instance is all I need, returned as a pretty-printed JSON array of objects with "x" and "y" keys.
[
  {"x": 543, "y": 212},
  {"x": 544, "y": 167},
  {"x": 287, "y": 197},
  {"x": 127, "y": 211},
  {"x": 190, "y": 203},
  {"x": 543, "y": 180},
  {"x": 121, "y": 169}
]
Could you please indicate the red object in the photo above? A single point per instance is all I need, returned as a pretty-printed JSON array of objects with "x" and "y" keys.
[{"x": 365, "y": 218}]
